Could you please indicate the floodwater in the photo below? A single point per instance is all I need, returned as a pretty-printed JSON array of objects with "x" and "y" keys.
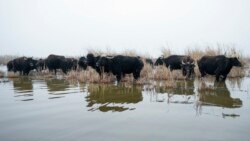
[{"x": 56, "y": 109}]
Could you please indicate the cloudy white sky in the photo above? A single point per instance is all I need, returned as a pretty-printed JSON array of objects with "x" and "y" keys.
[{"x": 71, "y": 27}]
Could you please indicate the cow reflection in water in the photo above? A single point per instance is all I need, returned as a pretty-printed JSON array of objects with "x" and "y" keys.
[
  {"x": 55, "y": 85},
  {"x": 182, "y": 88},
  {"x": 112, "y": 98},
  {"x": 22, "y": 85},
  {"x": 181, "y": 93},
  {"x": 218, "y": 96},
  {"x": 23, "y": 89}
]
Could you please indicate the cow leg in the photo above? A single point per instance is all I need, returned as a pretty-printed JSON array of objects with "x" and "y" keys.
[
  {"x": 202, "y": 74},
  {"x": 224, "y": 77},
  {"x": 217, "y": 74},
  {"x": 184, "y": 73},
  {"x": 100, "y": 74},
  {"x": 55, "y": 71},
  {"x": 118, "y": 77},
  {"x": 170, "y": 69},
  {"x": 217, "y": 77},
  {"x": 136, "y": 75}
]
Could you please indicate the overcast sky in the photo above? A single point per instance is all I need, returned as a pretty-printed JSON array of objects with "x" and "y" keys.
[{"x": 71, "y": 27}]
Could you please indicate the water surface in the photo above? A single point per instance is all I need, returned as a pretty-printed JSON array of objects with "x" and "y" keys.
[{"x": 56, "y": 109}]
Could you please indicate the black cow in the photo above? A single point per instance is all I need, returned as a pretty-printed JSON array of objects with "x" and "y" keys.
[
  {"x": 10, "y": 65},
  {"x": 54, "y": 62},
  {"x": 75, "y": 62},
  {"x": 83, "y": 63},
  {"x": 219, "y": 66},
  {"x": 178, "y": 62},
  {"x": 24, "y": 65},
  {"x": 218, "y": 96},
  {"x": 69, "y": 64},
  {"x": 40, "y": 65},
  {"x": 120, "y": 65},
  {"x": 92, "y": 60},
  {"x": 149, "y": 61}
]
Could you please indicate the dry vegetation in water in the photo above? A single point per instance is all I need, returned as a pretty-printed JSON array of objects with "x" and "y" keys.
[
  {"x": 12, "y": 75},
  {"x": 1, "y": 74},
  {"x": 148, "y": 73}
]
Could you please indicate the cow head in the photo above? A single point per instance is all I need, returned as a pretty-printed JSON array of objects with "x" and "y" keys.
[
  {"x": 103, "y": 62},
  {"x": 235, "y": 62},
  {"x": 159, "y": 61},
  {"x": 187, "y": 66},
  {"x": 83, "y": 63},
  {"x": 32, "y": 63},
  {"x": 10, "y": 65},
  {"x": 40, "y": 64},
  {"x": 90, "y": 59}
]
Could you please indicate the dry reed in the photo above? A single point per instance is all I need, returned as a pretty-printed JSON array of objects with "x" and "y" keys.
[
  {"x": 1, "y": 74},
  {"x": 148, "y": 73},
  {"x": 12, "y": 75}
]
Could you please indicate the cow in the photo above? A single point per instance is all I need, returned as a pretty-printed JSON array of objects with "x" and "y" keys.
[
  {"x": 218, "y": 96},
  {"x": 178, "y": 62},
  {"x": 92, "y": 60},
  {"x": 40, "y": 65},
  {"x": 69, "y": 64},
  {"x": 24, "y": 65},
  {"x": 149, "y": 61},
  {"x": 54, "y": 62},
  {"x": 219, "y": 66},
  {"x": 120, "y": 65},
  {"x": 75, "y": 62},
  {"x": 10, "y": 65},
  {"x": 83, "y": 63}
]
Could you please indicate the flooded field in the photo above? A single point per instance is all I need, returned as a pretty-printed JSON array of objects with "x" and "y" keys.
[{"x": 56, "y": 109}]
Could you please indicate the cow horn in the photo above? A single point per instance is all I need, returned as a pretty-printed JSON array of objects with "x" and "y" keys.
[
  {"x": 110, "y": 57},
  {"x": 182, "y": 62}
]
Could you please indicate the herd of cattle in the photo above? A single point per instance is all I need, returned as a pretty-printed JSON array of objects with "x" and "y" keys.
[{"x": 120, "y": 65}]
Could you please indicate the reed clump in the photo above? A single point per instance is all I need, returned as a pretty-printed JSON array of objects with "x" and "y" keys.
[
  {"x": 1, "y": 74},
  {"x": 13, "y": 75}
]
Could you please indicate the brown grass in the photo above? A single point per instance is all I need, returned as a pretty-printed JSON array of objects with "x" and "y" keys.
[
  {"x": 1, "y": 74},
  {"x": 148, "y": 73},
  {"x": 12, "y": 75}
]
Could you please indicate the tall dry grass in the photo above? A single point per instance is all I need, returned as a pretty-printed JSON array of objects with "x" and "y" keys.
[
  {"x": 13, "y": 75},
  {"x": 6, "y": 58},
  {"x": 149, "y": 73},
  {"x": 1, "y": 74}
]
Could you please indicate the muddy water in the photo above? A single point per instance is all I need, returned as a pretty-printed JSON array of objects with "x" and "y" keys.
[{"x": 55, "y": 109}]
